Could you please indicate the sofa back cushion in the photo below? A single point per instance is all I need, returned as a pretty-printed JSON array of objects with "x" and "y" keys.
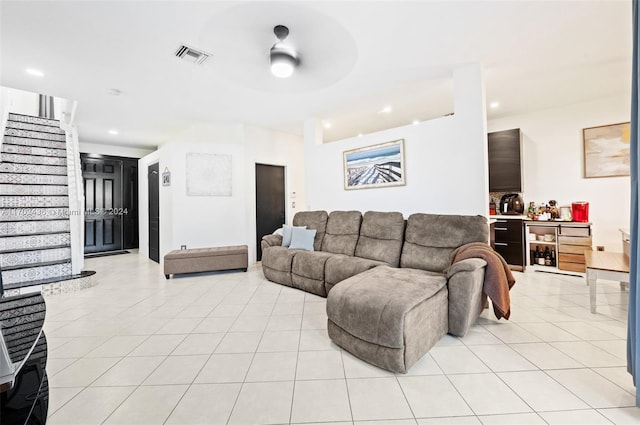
[
  {"x": 381, "y": 237},
  {"x": 430, "y": 239},
  {"x": 343, "y": 229},
  {"x": 313, "y": 220}
]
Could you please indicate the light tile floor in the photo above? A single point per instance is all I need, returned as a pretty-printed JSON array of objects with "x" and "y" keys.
[{"x": 233, "y": 348}]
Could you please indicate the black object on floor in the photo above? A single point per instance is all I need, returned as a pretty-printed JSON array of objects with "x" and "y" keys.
[{"x": 105, "y": 254}]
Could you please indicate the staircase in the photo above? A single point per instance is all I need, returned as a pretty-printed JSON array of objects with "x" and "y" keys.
[{"x": 35, "y": 239}]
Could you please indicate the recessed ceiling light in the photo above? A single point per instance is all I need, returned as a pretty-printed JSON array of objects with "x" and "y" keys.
[
  {"x": 415, "y": 122},
  {"x": 494, "y": 105},
  {"x": 35, "y": 72},
  {"x": 113, "y": 132},
  {"x": 115, "y": 92},
  {"x": 360, "y": 134},
  {"x": 385, "y": 110},
  {"x": 327, "y": 124}
]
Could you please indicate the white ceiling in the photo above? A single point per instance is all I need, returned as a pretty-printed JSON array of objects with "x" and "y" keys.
[{"x": 357, "y": 57}]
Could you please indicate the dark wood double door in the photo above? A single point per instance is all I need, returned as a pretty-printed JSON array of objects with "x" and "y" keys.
[{"x": 111, "y": 203}]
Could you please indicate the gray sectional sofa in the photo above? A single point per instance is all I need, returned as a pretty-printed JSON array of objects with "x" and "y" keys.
[{"x": 391, "y": 289}]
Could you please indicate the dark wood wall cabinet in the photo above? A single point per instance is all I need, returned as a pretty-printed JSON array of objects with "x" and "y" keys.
[
  {"x": 509, "y": 241},
  {"x": 505, "y": 161}
]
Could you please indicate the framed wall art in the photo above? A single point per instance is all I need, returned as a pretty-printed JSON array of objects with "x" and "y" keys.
[
  {"x": 375, "y": 166},
  {"x": 606, "y": 150}
]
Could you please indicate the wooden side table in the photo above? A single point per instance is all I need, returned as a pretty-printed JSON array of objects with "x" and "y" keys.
[{"x": 605, "y": 265}]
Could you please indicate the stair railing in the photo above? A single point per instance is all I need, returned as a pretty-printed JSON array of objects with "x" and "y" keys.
[
  {"x": 4, "y": 111},
  {"x": 75, "y": 186}
]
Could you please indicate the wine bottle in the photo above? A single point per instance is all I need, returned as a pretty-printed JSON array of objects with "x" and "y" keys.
[
  {"x": 553, "y": 257},
  {"x": 547, "y": 257}
]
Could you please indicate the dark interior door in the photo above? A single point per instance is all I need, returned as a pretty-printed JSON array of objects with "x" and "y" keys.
[
  {"x": 270, "y": 201},
  {"x": 153, "y": 175},
  {"x": 130, "y": 203},
  {"x": 103, "y": 204}
]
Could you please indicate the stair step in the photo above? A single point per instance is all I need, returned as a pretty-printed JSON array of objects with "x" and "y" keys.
[
  {"x": 33, "y": 190},
  {"x": 38, "y": 143},
  {"x": 29, "y": 274},
  {"x": 33, "y": 169},
  {"x": 32, "y": 214},
  {"x": 37, "y": 264},
  {"x": 24, "y": 228},
  {"x": 20, "y": 179},
  {"x": 19, "y": 158},
  {"x": 33, "y": 201},
  {"x": 33, "y": 242},
  {"x": 34, "y": 151},
  {"x": 35, "y": 134},
  {"x": 34, "y": 127},
  {"x": 34, "y": 120}
]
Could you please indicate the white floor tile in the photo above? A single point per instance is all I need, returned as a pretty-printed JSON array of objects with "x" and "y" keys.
[
  {"x": 515, "y": 418},
  {"x": 278, "y": 341},
  {"x": 289, "y": 322},
  {"x": 591, "y": 417},
  {"x": 425, "y": 366},
  {"x": 56, "y": 365},
  {"x": 546, "y": 356},
  {"x": 478, "y": 335},
  {"x": 129, "y": 371},
  {"x": 273, "y": 367},
  {"x": 205, "y": 404},
  {"x": 263, "y": 403},
  {"x": 319, "y": 401},
  {"x": 586, "y": 331},
  {"x": 319, "y": 365},
  {"x": 619, "y": 376},
  {"x": 198, "y": 344},
  {"x": 488, "y": 395},
  {"x": 588, "y": 354},
  {"x": 158, "y": 345},
  {"x": 501, "y": 358},
  {"x": 179, "y": 326},
  {"x": 149, "y": 405},
  {"x": 433, "y": 396},
  {"x": 249, "y": 324},
  {"x": 623, "y": 415},
  {"x": 541, "y": 392},
  {"x": 214, "y": 325},
  {"x": 316, "y": 340},
  {"x": 60, "y": 397},
  {"x": 511, "y": 333},
  {"x": 377, "y": 399},
  {"x": 176, "y": 370},
  {"x": 594, "y": 389},
  {"x": 78, "y": 347},
  {"x": 118, "y": 346},
  {"x": 239, "y": 342},
  {"x": 222, "y": 368},
  {"x": 83, "y": 372},
  {"x": 318, "y": 321},
  {"x": 456, "y": 420},
  {"x": 91, "y": 406},
  {"x": 457, "y": 359},
  {"x": 549, "y": 332}
]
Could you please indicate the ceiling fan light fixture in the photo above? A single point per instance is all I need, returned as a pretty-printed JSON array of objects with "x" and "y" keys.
[{"x": 284, "y": 59}]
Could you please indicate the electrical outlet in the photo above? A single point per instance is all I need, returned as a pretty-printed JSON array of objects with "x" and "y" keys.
[{"x": 183, "y": 247}]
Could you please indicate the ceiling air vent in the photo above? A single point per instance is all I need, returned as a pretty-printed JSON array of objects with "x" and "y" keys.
[{"x": 192, "y": 55}]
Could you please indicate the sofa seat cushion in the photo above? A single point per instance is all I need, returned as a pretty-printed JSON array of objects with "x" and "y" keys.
[
  {"x": 375, "y": 305},
  {"x": 277, "y": 262},
  {"x": 307, "y": 271},
  {"x": 341, "y": 267}
]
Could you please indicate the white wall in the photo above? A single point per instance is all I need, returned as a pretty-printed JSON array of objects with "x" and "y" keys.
[
  {"x": 202, "y": 221},
  {"x": 553, "y": 163},
  {"x": 445, "y": 161},
  {"x": 115, "y": 150}
]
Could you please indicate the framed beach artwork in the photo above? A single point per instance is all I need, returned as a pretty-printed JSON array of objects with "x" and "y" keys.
[
  {"x": 606, "y": 150},
  {"x": 375, "y": 166}
]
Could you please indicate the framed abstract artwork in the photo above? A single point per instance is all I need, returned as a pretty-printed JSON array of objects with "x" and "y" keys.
[
  {"x": 606, "y": 150},
  {"x": 375, "y": 166}
]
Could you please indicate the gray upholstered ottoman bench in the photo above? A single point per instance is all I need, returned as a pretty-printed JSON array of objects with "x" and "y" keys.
[
  {"x": 389, "y": 317},
  {"x": 205, "y": 260}
]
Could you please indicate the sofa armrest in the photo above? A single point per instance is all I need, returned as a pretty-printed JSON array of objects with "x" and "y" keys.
[
  {"x": 468, "y": 265},
  {"x": 465, "y": 284},
  {"x": 272, "y": 240}
]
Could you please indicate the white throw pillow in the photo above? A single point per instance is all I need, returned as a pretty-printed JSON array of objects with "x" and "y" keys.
[
  {"x": 302, "y": 239},
  {"x": 278, "y": 231},
  {"x": 286, "y": 233}
]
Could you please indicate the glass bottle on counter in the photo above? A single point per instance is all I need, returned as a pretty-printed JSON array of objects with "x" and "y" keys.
[
  {"x": 541, "y": 257},
  {"x": 535, "y": 254},
  {"x": 547, "y": 257}
]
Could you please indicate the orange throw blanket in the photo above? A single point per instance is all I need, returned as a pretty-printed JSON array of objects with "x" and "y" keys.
[{"x": 498, "y": 278}]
